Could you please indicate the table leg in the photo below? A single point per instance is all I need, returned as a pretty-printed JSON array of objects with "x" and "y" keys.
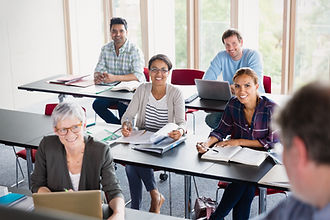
[
  {"x": 187, "y": 196},
  {"x": 29, "y": 165},
  {"x": 262, "y": 199},
  {"x": 61, "y": 97}
]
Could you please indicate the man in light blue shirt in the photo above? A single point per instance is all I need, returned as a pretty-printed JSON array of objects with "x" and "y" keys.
[
  {"x": 228, "y": 61},
  {"x": 305, "y": 124},
  {"x": 120, "y": 60}
]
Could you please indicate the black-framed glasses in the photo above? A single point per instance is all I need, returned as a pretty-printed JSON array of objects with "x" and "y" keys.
[
  {"x": 74, "y": 129},
  {"x": 156, "y": 70}
]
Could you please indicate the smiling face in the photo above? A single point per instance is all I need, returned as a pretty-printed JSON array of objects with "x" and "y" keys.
[
  {"x": 158, "y": 73},
  {"x": 75, "y": 132},
  {"x": 246, "y": 89},
  {"x": 118, "y": 34},
  {"x": 234, "y": 47}
]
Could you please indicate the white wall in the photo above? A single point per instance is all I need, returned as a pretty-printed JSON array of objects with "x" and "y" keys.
[{"x": 32, "y": 42}]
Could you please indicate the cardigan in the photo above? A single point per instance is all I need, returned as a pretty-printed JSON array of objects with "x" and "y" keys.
[
  {"x": 97, "y": 168},
  {"x": 137, "y": 106}
]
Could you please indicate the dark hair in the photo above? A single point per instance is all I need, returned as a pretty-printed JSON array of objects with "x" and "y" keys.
[
  {"x": 231, "y": 32},
  {"x": 306, "y": 115},
  {"x": 161, "y": 57},
  {"x": 117, "y": 20},
  {"x": 247, "y": 71}
]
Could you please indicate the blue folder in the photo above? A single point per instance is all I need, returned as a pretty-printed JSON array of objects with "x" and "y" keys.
[{"x": 11, "y": 199}]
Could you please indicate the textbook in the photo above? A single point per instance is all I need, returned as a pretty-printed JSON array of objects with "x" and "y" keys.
[
  {"x": 160, "y": 147},
  {"x": 127, "y": 85},
  {"x": 11, "y": 199},
  {"x": 237, "y": 154},
  {"x": 74, "y": 80}
]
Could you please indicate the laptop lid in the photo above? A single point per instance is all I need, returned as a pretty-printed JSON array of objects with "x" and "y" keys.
[
  {"x": 213, "y": 89},
  {"x": 79, "y": 202}
]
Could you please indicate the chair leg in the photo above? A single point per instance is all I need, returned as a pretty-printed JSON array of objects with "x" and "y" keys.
[
  {"x": 170, "y": 191},
  {"x": 18, "y": 165},
  {"x": 262, "y": 199}
]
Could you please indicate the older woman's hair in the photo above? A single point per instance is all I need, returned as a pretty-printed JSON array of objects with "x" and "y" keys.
[
  {"x": 161, "y": 57},
  {"x": 247, "y": 71},
  {"x": 68, "y": 110}
]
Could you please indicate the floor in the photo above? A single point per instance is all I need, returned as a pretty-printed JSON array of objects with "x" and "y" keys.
[{"x": 206, "y": 187}]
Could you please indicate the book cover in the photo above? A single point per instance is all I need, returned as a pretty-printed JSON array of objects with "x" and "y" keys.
[
  {"x": 11, "y": 199},
  {"x": 161, "y": 147}
]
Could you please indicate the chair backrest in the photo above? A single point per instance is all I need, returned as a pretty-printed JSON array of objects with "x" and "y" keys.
[
  {"x": 146, "y": 74},
  {"x": 49, "y": 108},
  {"x": 267, "y": 84},
  {"x": 186, "y": 76}
]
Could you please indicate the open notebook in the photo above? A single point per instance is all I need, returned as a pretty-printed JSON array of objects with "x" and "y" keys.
[{"x": 237, "y": 154}]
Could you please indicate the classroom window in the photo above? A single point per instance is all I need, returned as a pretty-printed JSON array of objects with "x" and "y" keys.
[
  {"x": 214, "y": 20},
  {"x": 130, "y": 10},
  {"x": 181, "y": 34},
  {"x": 312, "y": 41}
]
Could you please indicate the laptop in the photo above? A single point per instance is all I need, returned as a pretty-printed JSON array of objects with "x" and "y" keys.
[
  {"x": 79, "y": 202},
  {"x": 213, "y": 89}
]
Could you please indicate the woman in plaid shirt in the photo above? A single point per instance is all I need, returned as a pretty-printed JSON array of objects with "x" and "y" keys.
[{"x": 247, "y": 119}]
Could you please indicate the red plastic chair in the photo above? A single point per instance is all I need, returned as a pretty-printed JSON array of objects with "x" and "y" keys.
[
  {"x": 187, "y": 77},
  {"x": 22, "y": 153},
  {"x": 223, "y": 185},
  {"x": 267, "y": 81}
]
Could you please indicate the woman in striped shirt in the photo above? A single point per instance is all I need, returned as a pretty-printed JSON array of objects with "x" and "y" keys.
[
  {"x": 246, "y": 118},
  {"x": 155, "y": 104}
]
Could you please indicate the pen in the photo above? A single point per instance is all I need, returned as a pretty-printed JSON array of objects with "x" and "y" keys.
[{"x": 215, "y": 150}]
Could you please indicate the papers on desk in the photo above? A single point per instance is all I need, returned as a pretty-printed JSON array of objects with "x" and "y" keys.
[
  {"x": 157, "y": 142},
  {"x": 104, "y": 133},
  {"x": 237, "y": 154},
  {"x": 74, "y": 80},
  {"x": 130, "y": 86},
  {"x": 276, "y": 176}
]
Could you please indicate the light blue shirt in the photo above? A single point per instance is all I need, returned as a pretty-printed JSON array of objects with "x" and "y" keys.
[
  {"x": 130, "y": 60},
  {"x": 293, "y": 208},
  {"x": 223, "y": 63}
]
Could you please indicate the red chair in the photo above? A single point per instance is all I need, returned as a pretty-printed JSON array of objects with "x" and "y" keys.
[
  {"x": 267, "y": 81},
  {"x": 269, "y": 191},
  {"x": 187, "y": 77},
  {"x": 22, "y": 153}
]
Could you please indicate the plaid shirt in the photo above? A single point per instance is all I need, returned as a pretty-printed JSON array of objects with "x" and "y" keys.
[
  {"x": 130, "y": 60},
  {"x": 233, "y": 123}
]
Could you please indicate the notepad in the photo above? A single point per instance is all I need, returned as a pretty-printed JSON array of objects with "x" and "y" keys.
[
  {"x": 161, "y": 147},
  {"x": 237, "y": 154},
  {"x": 130, "y": 86},
  {"x": 11, "y": 199},
  {"x": 276, "y": 176}
]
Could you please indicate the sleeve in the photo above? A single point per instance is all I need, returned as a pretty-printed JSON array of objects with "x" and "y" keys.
[
  {"x": 138, "y": 64},
  {"x": 100, "y": 66},
  {"x": 272, "y": 137},
  {"x": 214, "y": 70},
  {"x": 179, "y": 110},
  {"x": 133, "y": 106},
  {"x": 225, "y": 126},
  {"x": 255, "y": 63},
  {"x": 109, "y": 181},
  {"x": 39, "y": 175}
]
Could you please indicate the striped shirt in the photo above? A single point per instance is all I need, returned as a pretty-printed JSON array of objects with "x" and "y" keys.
[
  {"x": 156, "y": 115},
  {"x": 130, "y": 60},
  {"x": 234, "y": 123}
]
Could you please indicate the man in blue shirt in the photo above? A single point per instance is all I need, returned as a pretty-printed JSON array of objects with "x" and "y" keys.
[
  {"x": 227, "y": 62},
  {"x": 120, "y": 60},
  {"x": 305, "y": 124}
]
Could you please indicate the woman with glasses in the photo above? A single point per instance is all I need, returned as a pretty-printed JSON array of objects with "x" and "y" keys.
[
  {"x": 154, "y": 105},
  {"x": 246, "y": 118},
  {"x": 70, "y": 160}
]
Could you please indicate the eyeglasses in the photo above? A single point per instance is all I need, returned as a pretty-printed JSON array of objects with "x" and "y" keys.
[
  {"x": 74, "y": 129},
  {"x": 156, "y": 70}
]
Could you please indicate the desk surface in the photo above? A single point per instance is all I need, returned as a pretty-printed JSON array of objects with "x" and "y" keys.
[
  {"x": 44, "y": 86},
  {"x": 21, "y": 128}
]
